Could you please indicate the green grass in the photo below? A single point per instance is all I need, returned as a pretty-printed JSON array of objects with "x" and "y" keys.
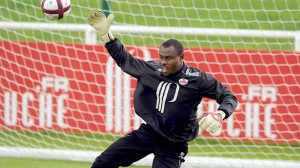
[
  {"x": 39, "y": 163},
  {"x": 50, "y": 139},
  {"x": 242, "y": 149},
  {"x": 246, "y": 14},
  {"x": 198, "y": 147}
]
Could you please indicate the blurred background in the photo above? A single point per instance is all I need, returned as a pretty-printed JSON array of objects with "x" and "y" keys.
[{"x": 63, "y": 100}]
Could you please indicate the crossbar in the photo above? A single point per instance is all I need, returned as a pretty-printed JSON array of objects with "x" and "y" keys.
[{"x": 91, "y": 34}]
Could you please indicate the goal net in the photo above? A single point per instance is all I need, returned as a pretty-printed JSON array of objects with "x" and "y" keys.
[{"x": 63, "y": 97}]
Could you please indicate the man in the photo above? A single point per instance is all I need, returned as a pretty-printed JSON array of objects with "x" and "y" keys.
[{"x": 166, "y": 98}]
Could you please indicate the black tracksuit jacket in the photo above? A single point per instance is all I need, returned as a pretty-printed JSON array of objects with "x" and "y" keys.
[{"x": 169, "y": 104}]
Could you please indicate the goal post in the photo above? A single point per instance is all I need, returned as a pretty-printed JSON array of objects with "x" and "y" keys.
[{"x": 63, "y": 97}]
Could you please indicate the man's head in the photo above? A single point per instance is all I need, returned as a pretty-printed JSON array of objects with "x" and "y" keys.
[{"x": 171, "y": 56}]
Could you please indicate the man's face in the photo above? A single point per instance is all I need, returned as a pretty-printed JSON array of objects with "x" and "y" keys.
[{"x": 169, "y": 60}]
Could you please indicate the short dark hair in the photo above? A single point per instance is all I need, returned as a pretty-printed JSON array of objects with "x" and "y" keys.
[{"x": 175, "y": 43}]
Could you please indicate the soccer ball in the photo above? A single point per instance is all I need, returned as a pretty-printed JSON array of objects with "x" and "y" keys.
[{"x": 55, "y": 9}]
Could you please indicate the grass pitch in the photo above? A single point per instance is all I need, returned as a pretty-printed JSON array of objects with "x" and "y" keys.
[
  {"x": 39, "y": 163},
  {"x": 230, "y": 14}
]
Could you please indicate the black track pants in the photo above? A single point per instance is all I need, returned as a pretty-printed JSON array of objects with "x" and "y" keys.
[{"x": 139, "y": 144}]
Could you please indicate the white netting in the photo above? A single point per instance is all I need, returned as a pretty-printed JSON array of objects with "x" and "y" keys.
[{"x": 61, "y": 92}]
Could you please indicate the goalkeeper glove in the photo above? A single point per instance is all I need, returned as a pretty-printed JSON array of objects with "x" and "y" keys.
[
  {"x": 101, "y": 24},
  {"x": 211, "y": 122}
]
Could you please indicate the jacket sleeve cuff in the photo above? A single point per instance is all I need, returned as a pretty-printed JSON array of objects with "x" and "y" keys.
[{"x": 107, "y": 38}]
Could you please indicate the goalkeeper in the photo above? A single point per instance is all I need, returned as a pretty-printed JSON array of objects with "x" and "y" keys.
[{"x": 166, "y": 98}]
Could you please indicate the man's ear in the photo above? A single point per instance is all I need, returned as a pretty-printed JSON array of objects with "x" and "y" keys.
[{"x": 182, "y": 57}]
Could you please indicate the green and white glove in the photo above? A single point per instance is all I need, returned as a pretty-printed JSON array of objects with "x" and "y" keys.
[
  {"x": 101, "y": 24},
  {"x": 211, "y": 122}
]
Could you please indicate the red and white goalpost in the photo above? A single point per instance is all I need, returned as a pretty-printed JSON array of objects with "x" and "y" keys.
[{"x": 66, "y": 99}]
